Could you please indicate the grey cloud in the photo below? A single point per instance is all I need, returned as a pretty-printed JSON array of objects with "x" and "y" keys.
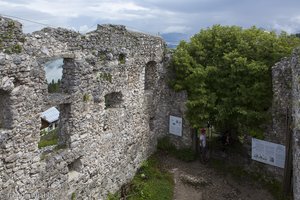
[{"x": 185, "y": 15}]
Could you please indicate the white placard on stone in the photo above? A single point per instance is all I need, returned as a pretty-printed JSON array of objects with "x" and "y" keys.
[
  {"x": 268, "y": 152},
  {"x": 175, "y": 125}
]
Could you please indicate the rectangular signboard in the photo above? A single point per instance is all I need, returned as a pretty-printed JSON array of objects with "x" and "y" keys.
[
  {"x": 175, "y": 125},
  {"x": 268, "y": 152}
]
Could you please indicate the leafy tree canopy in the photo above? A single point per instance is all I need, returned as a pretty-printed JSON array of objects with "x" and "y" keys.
[{"x": 226, "y": 71}]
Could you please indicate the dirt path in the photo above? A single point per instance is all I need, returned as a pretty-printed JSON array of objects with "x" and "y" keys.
[{"x": 196, "y": 181}]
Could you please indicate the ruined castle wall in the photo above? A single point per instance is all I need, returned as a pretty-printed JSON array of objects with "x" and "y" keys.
[
  {"x": 280, "y": 111},
  {"x": 295, "y": 64},
  {"x": 112, "y": 110},
  {"x": 170, "y": 103},
  {"x": 282, "y": 104},
  {"x": 286, "y": 108}
]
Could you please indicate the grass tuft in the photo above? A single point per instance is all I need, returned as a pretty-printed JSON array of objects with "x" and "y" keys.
[
  {"x": 49, "y": 139},
  {"x": 149, "y": 183}
]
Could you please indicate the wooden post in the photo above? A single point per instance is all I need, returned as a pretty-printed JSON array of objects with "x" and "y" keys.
[{"x": 288, "y": 168}]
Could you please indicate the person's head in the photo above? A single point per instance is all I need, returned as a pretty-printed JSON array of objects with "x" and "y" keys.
[{"x": 203, "y": 131}]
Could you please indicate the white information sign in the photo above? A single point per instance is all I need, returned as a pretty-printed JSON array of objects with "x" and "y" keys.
[
  {"x": 268, "y": 152},
  {"x": 175, "y": 125}
]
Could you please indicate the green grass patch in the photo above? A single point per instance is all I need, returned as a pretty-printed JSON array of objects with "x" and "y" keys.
[
  {"x": 49, "y": 139},
  {"x": 185, "y": 154},
  {"x": 149, "y": 183}
]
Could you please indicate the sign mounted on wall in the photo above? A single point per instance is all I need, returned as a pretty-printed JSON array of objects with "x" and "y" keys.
[
  {"x": 175, "y": 125},
  {"x": 268, "y": 152}
]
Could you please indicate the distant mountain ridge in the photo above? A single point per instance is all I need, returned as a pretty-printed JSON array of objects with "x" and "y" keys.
[{"x": 173, "y": 39}]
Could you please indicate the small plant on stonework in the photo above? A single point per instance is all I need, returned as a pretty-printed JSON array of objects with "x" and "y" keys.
[
  {"x": 102, "y": 56},
  {"x": 11, "y": 24},
  {"x": 8, "y": 51},
  {"x": 86, "y": 97},
  {"x": 113, "y": 196},
  {"x": 257, "y": 134},
  {"x": 122, "y": 59},
  {"x": 73, "y": 197},
  {"x": 14, "y": 49},
  {"x": 22, "y": 39},
  {"x": 104, "y": 76}
]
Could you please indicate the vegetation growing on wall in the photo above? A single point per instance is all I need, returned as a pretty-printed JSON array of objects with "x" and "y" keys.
[
  {"x": 86, "y": 97},
  {"x": 226, "y": 71},
  {"x": 122, "y": 59},
  {"x": 6, "y": 38},
  {"x": 104, "y": 77}
]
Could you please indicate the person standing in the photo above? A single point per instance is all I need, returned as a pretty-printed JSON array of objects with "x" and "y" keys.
[{"x": 202, "y": 143}]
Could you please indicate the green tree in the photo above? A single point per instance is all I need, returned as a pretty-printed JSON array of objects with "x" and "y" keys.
[
  {"x": 226, "y": 71},
  {"x": 53, "y": 87}
]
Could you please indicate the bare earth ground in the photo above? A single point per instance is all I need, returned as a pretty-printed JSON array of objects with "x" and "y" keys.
[{"x": 196, "y": 181}]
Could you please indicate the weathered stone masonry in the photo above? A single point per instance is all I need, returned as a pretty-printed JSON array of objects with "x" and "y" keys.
[
  {"x": 286, "y": 82},
  {"x": 114, "y": 105}
]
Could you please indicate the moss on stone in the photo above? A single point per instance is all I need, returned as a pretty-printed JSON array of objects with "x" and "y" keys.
[
  {"x": 122, "y": 59},
  {"x": 86, "y": 97},
  {"x": 104, "y": 76}
]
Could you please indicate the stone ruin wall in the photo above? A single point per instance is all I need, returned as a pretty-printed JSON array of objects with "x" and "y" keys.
[
  {"x": 286, "y": 102},
  {"x": 281, "y": 111},
  {"x": 295, "y": 65},
  {"x": 101, "y": 144}
]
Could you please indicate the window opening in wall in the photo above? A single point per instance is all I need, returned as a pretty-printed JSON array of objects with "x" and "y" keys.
[
  {"x": 55, "y": 118},
  {"x": 113, "y": 100},
  {"x": 53, "y": 69},
  {"x": 55, "y": 126},
  {"x": 49, "y": 127},
  {"x": 150, "y": 75},
  {"x": 5, "y": 111}
]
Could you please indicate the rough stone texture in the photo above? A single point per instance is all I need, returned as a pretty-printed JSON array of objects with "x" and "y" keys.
[
  {"x": 295, "y": 65},
  {"x": 286, "y": 85},
  {"x": 114, "y": 104},
  {"x": 281, "y": 109},
  {"x": 282, "y": 105},
  {"x": 11, "y": 36}
]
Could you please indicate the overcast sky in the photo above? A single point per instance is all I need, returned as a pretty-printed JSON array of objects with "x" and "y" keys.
[{"x": 156, "y": 16}]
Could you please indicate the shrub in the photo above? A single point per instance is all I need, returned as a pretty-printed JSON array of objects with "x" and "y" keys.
[{"x": 185, "y": 154}]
